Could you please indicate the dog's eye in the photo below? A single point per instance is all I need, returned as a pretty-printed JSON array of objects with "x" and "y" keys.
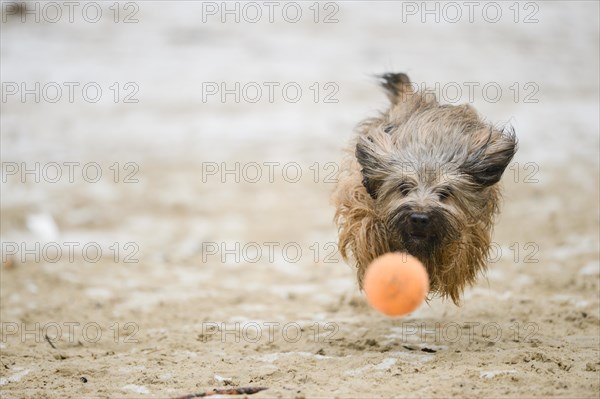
[
  {"x": 404, "y": 188},
  {"x": 388, "y": 128},
  {"x": 444, "y": 193}
]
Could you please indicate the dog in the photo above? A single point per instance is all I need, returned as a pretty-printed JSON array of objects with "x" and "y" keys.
[{"x": 423, "y": 178}]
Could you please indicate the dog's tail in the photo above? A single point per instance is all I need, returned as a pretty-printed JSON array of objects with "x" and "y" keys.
[{"x": 397, "y": 86}]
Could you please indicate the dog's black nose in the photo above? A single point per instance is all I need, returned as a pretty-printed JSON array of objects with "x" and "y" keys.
[{"x": 419, "y": 220}]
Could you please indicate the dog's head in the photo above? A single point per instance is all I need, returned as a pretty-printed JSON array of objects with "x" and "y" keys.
[{"x": 430, "y": 168}]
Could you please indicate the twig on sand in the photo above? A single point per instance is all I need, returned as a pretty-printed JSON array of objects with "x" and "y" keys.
[
  {"x": 226, "y": 391},
  {"x": 50, "y": 342}
]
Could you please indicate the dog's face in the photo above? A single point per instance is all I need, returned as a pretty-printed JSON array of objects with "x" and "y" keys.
[{"x": 429, "y": 169}]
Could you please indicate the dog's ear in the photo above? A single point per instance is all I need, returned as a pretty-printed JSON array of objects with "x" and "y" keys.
[
  {"x": 373, "y": 169},
  {"x": 397, "y": 86},
  {"x": 488, "y": 160}
]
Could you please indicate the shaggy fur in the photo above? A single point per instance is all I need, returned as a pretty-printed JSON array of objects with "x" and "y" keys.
[{"x": 423, "y": 178}]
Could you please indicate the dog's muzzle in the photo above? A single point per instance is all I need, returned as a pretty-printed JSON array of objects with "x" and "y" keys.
[
  {"x": 419, "y": 225},
  {"x": 420, "y": 231}
]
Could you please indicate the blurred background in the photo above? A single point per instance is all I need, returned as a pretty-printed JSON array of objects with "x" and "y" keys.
[{"x": 169, "y": 164}]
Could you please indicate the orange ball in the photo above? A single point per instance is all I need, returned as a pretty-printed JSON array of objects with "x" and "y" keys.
[{"x": 396, "y": 283}]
